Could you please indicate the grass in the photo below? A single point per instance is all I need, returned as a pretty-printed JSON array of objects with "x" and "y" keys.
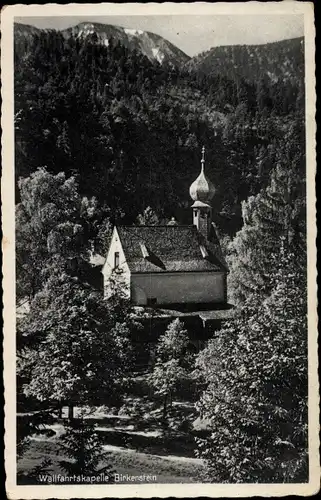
[
  {"x": 134, "y": 436},
  {"x": 123, "y": 462}
]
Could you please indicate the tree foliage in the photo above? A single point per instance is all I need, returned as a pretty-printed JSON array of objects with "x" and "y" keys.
[
  {"x": 101, "y": 133},
  {"x": 83, "y": 448},
  {"x": 173, "y": 362},
  {"x": 52, "y": 220},
  {"x": 76, "y": 346},
  {"x": 255, "y": 373},
  {"x": 277, "y": 211},
  {"x": 148, "y": 218}
]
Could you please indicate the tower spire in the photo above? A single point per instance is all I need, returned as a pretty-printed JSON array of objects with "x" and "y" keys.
[{"x": 201, "y": 192}]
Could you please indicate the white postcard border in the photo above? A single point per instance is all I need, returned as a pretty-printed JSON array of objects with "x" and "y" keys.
[{"x": 8, "y": 244}]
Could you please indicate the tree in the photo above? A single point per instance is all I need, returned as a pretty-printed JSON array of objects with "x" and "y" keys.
[
  {"x": 277, "y": 211},
  {"x": 255, "y": 376},
  {"x": 148, "y": 218},
  {"x": 172, "y": 363},
  {"x": 51, "y": 220},
  {"x": 76, "y": 346},
  {"x": 82, "y": 445}
]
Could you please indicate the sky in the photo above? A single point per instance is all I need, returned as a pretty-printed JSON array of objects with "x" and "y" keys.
[{"x": 193, "y": 33}]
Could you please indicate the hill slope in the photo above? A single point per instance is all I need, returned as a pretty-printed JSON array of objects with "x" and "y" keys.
[
  {"x": 275, "y": 61},
  {"x": 25, "y": 31},
  {"x": 132, "y": 130}
]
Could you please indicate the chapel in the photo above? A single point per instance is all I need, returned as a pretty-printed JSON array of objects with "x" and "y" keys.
[{"x": 171, "y": 264}]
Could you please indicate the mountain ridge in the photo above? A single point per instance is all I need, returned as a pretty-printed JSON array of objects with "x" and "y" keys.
[
  {"x": 153, "y": 46},
  {"x": 272, "y": 61}
]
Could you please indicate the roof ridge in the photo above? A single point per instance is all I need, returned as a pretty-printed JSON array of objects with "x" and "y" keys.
[{"x": 158, "y": 225}]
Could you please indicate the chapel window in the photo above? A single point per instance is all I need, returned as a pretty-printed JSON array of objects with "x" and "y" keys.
[{"x": 116, "y": 260}]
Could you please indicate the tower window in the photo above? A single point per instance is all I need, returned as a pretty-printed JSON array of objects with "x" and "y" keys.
[{"x": 116, "y": 260}]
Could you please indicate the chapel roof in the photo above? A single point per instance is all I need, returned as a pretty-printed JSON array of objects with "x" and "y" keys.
[{"x": 161, "y": 249}]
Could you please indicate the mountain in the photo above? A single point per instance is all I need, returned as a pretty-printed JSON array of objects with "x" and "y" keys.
[
  {"x": 283, "y": 60},
  {"x": 25, "y": 31},
  {"x": 23, "y": 34},
  {"x": 149, "y": 44},
  {"x": 153, "y": 46}
]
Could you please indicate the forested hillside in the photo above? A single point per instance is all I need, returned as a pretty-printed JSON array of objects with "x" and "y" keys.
[
  {"x": 275, "y": 62},
  {"x": 131, "y": 130}
]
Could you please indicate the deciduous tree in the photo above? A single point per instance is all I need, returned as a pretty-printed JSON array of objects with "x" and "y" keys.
[
  {"x": 172, "y": 363},
  {"x": 148, "y": 218},
  {"x": 52, "y": 220},
  {"x": 255, "y": 373},
  {"x": 76, "y": 346}
]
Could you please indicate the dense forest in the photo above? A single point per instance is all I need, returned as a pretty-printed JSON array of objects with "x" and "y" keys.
[
  {"x": 105, "y": 134},
  {"x": 131, "y": 130}
]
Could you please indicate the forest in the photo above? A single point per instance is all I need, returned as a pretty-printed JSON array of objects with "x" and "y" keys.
[{"x": 103, "y": 135}]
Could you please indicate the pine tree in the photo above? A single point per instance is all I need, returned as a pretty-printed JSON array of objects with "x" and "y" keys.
[
  {"x": 57, "y": 78},
  {"x": 278, "y": 211},
  {"x": 85, "y": 454}
]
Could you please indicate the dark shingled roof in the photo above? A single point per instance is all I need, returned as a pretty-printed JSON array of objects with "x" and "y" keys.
[{"x": 170, "y": 249}]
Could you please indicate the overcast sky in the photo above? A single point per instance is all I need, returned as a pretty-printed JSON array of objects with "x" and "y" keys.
[{"x": 194, "y": 34}]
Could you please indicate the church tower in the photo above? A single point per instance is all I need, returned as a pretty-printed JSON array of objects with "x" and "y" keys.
[{"x": 202, "y": 192}]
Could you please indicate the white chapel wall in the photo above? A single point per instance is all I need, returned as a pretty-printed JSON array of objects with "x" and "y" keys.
[
  {"x": 123, "y": 270},
  {"x": 178, "y": 287}
]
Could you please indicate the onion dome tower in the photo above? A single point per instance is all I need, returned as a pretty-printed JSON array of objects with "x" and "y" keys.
[{"x": 202, "y": 192}]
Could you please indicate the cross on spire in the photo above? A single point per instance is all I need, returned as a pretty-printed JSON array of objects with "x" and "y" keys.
[{"x": 203, "y": 154}]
